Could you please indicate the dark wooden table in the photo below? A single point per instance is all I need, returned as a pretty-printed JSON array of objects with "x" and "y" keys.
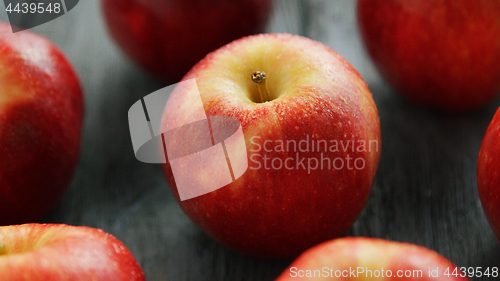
[{"x": 425, "y": 191}]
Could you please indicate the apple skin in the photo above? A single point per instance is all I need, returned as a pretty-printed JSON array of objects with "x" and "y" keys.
[
  {"x": 442, "y": 54},
  {"x": 38, "y": 252},
  {"x": 41, "y": 111},
  {"x": 167, "y": 38},
  {"x": 488, "y": 173},
  {"x": 372, "y": 254},
  {"x": 278, "y": 213}
]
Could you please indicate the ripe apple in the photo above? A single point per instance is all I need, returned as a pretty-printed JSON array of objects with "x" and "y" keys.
[
  {"x": 444, "y": 54},
  {"x": 62, "y": 252},
  {"x": 168, "y": 37},
  {"x": 488, "y": 173},
  {"x": 310, "y": 105},
  {"x": 41, "y": 110},
  {"x": 359, "y": 258}
]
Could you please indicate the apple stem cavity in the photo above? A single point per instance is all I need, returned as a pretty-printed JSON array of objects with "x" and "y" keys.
[
  {"x": 3, "y": 249},
  {"x": 258, "y": 77}
]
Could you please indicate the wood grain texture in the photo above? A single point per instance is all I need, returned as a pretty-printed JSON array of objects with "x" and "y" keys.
[{"x": 425, "y": 191}]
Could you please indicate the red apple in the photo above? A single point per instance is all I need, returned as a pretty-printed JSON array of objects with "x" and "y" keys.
[
  {"x": 444, "y": 54},
  {"x": 488, "y": 174},
  {"x": 359, "y": 258},
  {"x": 290, "y": 198},
  {"x": 37, "y": 252},
  {"x": 168, "y": 37},
  {"x": 41, "y": 110}
]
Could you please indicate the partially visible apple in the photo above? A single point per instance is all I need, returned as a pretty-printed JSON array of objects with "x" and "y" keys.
[
  {"x": 289, "y": 199},
  {"x": 488, "y": 174},
  {"x": 444, "y": 54},
  {"x": 168, "y": 37},
  {"x": 37, "y": 252},
  {"x": 41, "y": 111},
  {"x": 359, "y": 258}
]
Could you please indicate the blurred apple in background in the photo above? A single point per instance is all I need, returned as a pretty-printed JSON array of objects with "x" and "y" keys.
[
  {"x": 488, "y": 173},
  {"x": 443, "y": 54},
  {"x": 61, "y": 252},
  {"x": 289, "y": 199},
  {"x": 41, "y": 111},
  {"x": 359, "y": 258},
  {"x": 168, "y": 37}
]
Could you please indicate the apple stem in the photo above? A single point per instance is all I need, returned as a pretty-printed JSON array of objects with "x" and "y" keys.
[
  {"x": 258, "y": 77},
  {"x": 3, "y": 249}
]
